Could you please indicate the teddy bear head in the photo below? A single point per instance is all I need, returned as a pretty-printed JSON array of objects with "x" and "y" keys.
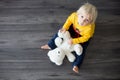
[
  {"x": 64, "y": 35},
  {"x": 56, "y": 56}
]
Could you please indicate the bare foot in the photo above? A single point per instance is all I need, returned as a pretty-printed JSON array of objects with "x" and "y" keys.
[
  {"x": 76, "y": 69},
  {"x": 45, "y": 47}
]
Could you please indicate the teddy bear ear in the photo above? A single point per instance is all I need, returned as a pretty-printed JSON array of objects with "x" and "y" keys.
[
  {"x": 67, "y": 34},
  {"x": 49, "y": 53}
]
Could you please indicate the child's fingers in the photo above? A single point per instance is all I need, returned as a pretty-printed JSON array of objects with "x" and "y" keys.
[{"x": 62, "y": 30}]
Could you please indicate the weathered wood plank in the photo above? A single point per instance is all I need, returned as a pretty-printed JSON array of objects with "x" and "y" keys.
[{"x": 25, "y": 25}]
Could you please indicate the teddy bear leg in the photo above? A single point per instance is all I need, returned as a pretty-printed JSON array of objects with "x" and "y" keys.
[{"x": 70, "y": 57}]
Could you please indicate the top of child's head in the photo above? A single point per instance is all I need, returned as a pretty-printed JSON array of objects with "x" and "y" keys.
[{"x": 88, "y": 9}]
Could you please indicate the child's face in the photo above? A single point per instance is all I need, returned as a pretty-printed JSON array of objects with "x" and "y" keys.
[{"x": 84, "y": 19}]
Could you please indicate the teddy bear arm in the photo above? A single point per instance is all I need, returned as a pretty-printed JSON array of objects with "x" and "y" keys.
[
  {"x": 78, "y": 49},
  {"x": 58, "y": 41}
]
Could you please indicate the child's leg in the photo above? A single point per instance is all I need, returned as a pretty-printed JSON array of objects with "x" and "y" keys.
[
  {"x": 51, "y": 43},
  {"x": 79, "y": 59}
]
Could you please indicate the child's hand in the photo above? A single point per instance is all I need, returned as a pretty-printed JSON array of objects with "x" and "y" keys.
[
  {"x": 70, "y": 41},
  {"x": 62, "y": 30}
]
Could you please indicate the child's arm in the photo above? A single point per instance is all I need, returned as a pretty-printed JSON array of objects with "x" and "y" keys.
[
  {"x": 69, "y": 21},
  {"x": 86, "y": 35}
]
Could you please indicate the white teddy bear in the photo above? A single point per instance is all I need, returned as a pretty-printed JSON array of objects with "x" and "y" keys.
[{"x": 63, "y": 49}]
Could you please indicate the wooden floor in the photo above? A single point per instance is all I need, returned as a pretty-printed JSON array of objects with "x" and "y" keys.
[{"x": 25, "y": 25}]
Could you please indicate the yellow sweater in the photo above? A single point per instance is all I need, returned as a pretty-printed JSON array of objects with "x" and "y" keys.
[{"x": 86, "y": 32}]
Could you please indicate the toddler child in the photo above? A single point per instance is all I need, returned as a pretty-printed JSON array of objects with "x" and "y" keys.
[{"x": 81, "y": 25}]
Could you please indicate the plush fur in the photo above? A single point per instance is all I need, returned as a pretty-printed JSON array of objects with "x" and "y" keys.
[{"x": 64, "y": 49}]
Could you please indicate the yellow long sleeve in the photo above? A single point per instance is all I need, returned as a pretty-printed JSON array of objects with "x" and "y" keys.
[
  {"x": 86, "y": 32},
  {"x": 68, "y": 22}
]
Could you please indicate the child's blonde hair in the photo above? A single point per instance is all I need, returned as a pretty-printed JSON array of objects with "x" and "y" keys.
[{"x": 88, "y": 8}]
